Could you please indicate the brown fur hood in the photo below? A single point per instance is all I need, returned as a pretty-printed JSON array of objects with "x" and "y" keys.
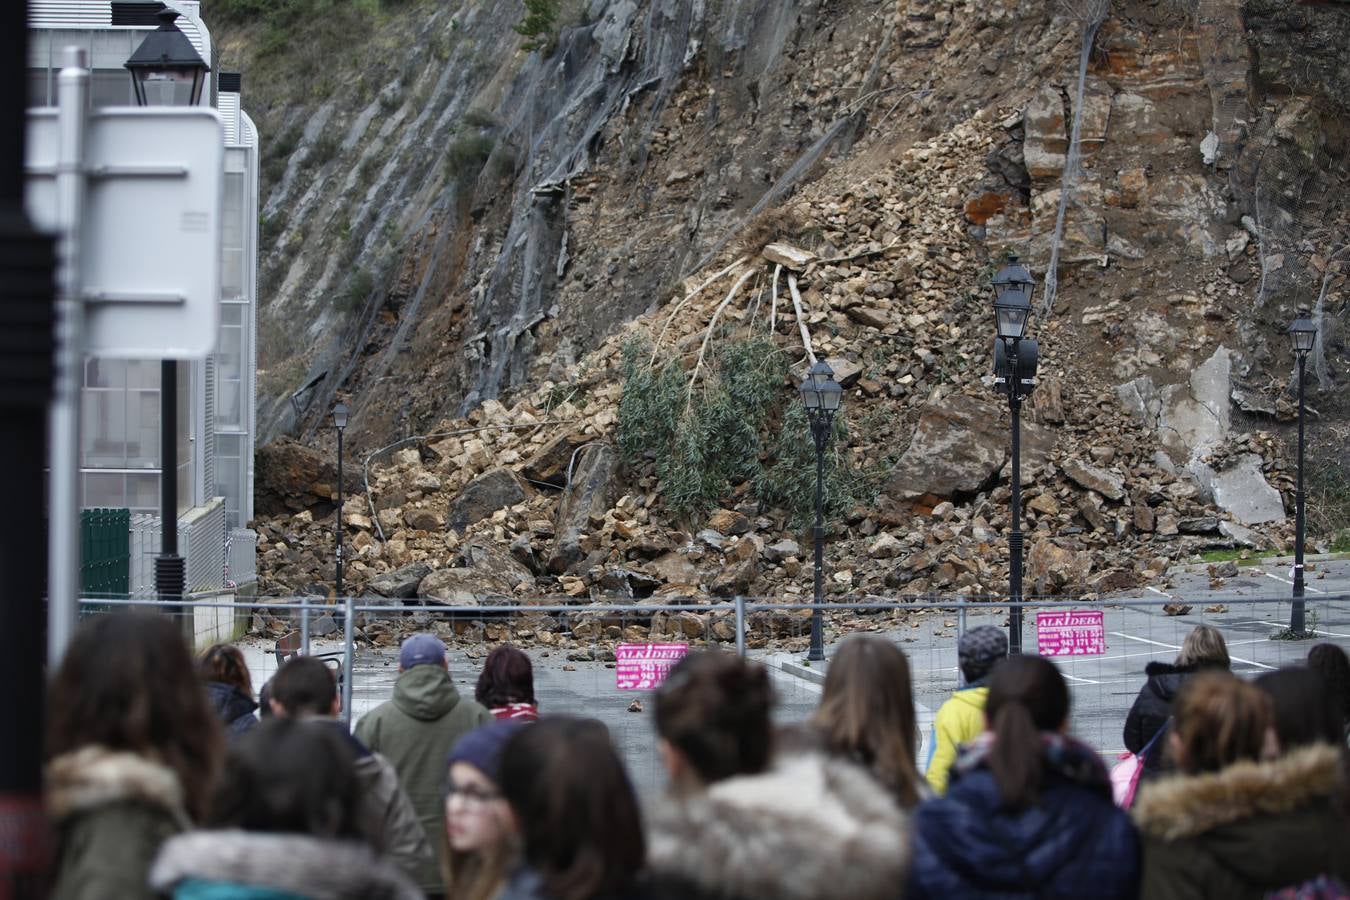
[
  {"x": 95, "y": 776},
  {"x": 808, "y": 829},
  {"x": 1185, "y": 806}
]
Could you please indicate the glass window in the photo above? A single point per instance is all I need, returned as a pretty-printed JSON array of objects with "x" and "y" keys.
[
  {"x": 103, "y": 429},
  {"x": 39, "y": 85},
  {"x": 106, "y": 373},
  {"x": 104, "y": 489},
  {"x": 143, "y": 492},
  {"x": 143, "y": 429},
  {"x": 111, "y": 87}
]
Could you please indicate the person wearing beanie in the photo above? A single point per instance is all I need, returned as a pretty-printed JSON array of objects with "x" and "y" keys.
[
  {"x": 481, "y": 840},
  {"x": 416, "y": 730},
  {"x": 961, "y": 718}
]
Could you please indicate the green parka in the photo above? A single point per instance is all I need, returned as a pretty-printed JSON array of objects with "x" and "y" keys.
[
  {"x": 415, "y": 732},
  {"x": 112, "y": 811},
  {"x": 1247, "y": 830}
]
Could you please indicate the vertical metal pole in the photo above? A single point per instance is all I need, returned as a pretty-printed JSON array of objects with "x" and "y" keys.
[
  {"x": 1015, "y": 535},
  {"x": 349, "y": 647},
  {"x": 337, "y": 580},
  {"x": 817, "y": 647},
  {"x": 63, "y": 561},
  {"x": 1296, "y": 622},
  {"x": 170, "y": 569},
  {"x": 304, "y": 626},
  {"x": 740, "y": 626},
  {"x": 27, "y": 297}
]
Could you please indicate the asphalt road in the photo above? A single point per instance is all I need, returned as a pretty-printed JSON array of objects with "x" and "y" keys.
[{"x": 1248, "y": 609}]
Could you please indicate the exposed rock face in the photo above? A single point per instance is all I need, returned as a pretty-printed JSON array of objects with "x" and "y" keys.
[
  {"x": 290, "y": 477},
  {"x": 484, "y": 573},
  {"x": 1242, "y": 490}
]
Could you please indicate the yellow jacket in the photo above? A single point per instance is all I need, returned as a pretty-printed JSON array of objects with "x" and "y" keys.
[{"x": 958, "y": 720}]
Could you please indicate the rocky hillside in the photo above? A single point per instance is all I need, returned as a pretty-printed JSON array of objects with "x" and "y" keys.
[{"x": 837, "y": 180}]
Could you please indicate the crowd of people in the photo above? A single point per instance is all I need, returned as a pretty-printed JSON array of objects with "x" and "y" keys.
[{"x": 162, "y": 782}]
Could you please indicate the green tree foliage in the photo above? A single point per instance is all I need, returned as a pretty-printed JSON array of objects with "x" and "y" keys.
[
  {"x": 700, "y": 450},
  {"x": 540, "y": 18}
]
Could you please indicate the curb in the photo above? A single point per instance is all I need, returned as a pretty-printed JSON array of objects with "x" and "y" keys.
[{"x": 789, "y": 664}]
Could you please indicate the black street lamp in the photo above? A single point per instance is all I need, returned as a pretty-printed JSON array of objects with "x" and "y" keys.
[
  {"x": 166, "y": 70},
  {"x": 1015, "y": 359},
  {"x": 1302, "y": 335},
  {"x": 339, "y": 420},
  {"x": 821, "y": 395}
]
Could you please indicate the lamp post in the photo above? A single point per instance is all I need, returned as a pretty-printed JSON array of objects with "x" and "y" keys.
[
  {"x": 1015, "y": 358},
  {"x": 166, "y": 70},
  {"x": 1302, "y": 335},
  {"x": 340, "y": 421},
  {"x": 821, "y": 395}
]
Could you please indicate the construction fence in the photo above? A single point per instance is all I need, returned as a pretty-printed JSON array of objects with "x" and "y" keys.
[{"x": 1100, "y": 646}]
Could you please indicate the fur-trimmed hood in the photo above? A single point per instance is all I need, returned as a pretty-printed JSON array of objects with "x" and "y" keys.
[
  {"x": 810, "y": 828},
  {"x": 289, "y": 863},
  {"x": 1186, "y": 806},
  {"x": 95, "y": 776}
]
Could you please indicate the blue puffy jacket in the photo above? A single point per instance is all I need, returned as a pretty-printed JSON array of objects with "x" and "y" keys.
[{"x": 1073, "y": 843}]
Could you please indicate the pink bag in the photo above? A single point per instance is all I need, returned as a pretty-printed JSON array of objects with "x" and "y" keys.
[
  {"x": 1126, "y": 773},
  {"x": 1125, "y": 779}
]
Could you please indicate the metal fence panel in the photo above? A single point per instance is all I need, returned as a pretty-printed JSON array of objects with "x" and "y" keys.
[{"x": 573, "y": 649}]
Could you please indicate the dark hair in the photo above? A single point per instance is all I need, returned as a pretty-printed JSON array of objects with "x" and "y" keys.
[
  {"x": 507, "y": 677},
  {"x": 1219, "y": 720},
  {"x": 1027, "y": 695},
  {"x": 224, "y": 663},
  {"x": 866, "y": 713},
  {"x": 1331, "y": 663},
  {"x": 579, "y": 819},
  {"x": 303, "y": 686},
  {"x": 127, "y": 683},
  {"x": 289, "y": 775},
  {"x": 1305, "y": 711},
  {"x": 714, "y": 708}
]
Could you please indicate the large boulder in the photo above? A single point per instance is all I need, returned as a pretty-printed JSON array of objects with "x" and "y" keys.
[
  {"x": 1053, "y": 568},
  {"x": 482, "y": 573},
  {"x": 493, "y": 490},
  {"x": 550, "y": 463},
  {"x": 1108, "y": 484},
  {"x": 1241, "y": 490},
  {"x": 402, "y": 582},
  {"x": 585, "y": 502},
  {"x": 959, "y": 447}
]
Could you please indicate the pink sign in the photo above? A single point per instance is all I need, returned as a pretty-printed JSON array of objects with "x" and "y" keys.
[
  {"x": 642, "y": 667},
  {"x": 1070, "y": 632}
]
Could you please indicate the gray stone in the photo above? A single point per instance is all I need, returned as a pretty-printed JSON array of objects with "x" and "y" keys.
[
  {"x": 482, "y": 572},
  {"x": 549, "y": 465},
  {"x": 1240, "y": 534},
  {"x": 957, "y": 448},
  {"x": 712, "y": 537},
  {"x": 1108, "y": 484},
  {"x": 493, "y": 490},
  {"x": 1198, "y": 525},
  {"x": 1189, "y": 418},
  {"x": 402, "y": 582},
  {"x": 1241, "y": 490},
  {"x": 777, "y": 552},
  {"x": 588, "y": 497}
]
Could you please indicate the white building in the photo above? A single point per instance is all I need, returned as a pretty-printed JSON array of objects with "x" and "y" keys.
[{"x": 119, "y": 459}]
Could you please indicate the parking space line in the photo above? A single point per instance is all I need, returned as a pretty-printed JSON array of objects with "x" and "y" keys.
[
  {"x": 1320, "y": 632},
  {"x": 1130, "y": 637},
  {"x": 1069, "y": 677},
  {"x": 1287, "y": 581}
]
